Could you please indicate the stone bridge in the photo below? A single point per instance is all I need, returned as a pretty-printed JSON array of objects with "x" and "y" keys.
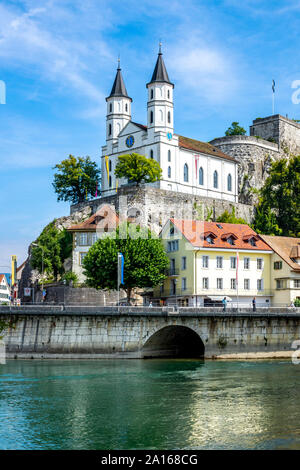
[{"x": 143, "y": 332}]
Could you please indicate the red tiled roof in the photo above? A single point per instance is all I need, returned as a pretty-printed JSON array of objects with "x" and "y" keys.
[
  {"x": 194, "y": 230},
  {"x": 283, "y": 246},
  {"x": 203, "y": 147},
  {"x": 104, "y": 216}
]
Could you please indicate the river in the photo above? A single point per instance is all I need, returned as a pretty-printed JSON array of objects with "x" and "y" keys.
[{"x": 149, "y": 404}]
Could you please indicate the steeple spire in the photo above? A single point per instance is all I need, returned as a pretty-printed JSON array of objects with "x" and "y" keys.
[
  {"x": 160, "y": 73},
  {"x": 118, "y": 88}
]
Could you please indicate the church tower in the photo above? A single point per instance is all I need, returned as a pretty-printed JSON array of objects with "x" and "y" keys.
[
  {"x": 160, "y": 98},
  {"x": 118, "y": 107}
]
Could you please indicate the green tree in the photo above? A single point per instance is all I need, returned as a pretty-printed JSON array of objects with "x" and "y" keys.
[
  {"x": 228, "y": 218},
  {"x": 138, "y": 168},
  {"x": 54, "y": 246},
  {"x": 235, "y": 129},
  {"x": 145, "y": 259},
  {"x": 76, "y": 179},
  {"x": 278, "y": 211}
]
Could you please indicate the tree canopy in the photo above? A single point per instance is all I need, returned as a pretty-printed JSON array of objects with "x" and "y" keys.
[
  {"x": 145, "y": 259},
  {"x": 235, "y": 129},
  {"x": 54, "y": 246},
  {"x": 278, "y": 210},
  {"x": 76, "y": 179},
  {"x": 138, "y": 168},
  {"x": 228, "y": 218}
]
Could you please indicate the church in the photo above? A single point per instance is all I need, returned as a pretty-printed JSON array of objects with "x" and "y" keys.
[{"x": 188, "y": 165}]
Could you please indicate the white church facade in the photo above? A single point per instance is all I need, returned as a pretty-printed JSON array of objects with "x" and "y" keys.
[{"x": 188, "y": 165}]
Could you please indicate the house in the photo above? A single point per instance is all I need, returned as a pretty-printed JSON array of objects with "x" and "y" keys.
[
  {"x": 86, "y": 234},
  {"x": 210, "y": 260},
  {"x": 188, "y": 165},
  {"x": 4, "y": 289},
  {"x": 285, "y": 268}
]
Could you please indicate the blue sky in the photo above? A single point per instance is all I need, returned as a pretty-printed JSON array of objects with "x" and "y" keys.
[{"x": 58, "y": 60}]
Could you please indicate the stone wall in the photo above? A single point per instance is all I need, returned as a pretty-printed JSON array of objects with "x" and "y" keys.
[
  {"x": 91, "y": 332},
  {"x": 153, "y": 207}
]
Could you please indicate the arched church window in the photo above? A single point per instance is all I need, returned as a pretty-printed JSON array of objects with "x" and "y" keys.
[
  {"x": 229, "y": 182},
  {"x": 109, "y": 165},
  {"x": 151, "y": 153},
  {"x": 152, "y": 94},
  {"x": 151, "y": 117},
  {"x": 216, "y": 183},
  {"x": 109, "y": 181},
  {"x": 126, "y": 107},
  {"x": 185, "y": 173},
  {"x": 168, "y": 94},
  {"x": 201, "y": 176},
  {"x": 169, "y": 117},
  {"x": 169, "y": 172},
  {"x": 109, "y": 129},
  {"x": 169, "y": 155},
  {"x": 110, "y": 108}
]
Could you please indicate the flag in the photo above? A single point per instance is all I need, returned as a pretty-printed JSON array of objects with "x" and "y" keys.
[
  {"x": 196, "y": 163},
  {"x": 237, "y": 268},
  {"x": 107, "y": 166},
  {"x": 273, "y": 86}
]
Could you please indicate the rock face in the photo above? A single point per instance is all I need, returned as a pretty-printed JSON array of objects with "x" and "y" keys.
[
  {"x": 31, "y": 276},
  {"x": 270, "y": 139}
]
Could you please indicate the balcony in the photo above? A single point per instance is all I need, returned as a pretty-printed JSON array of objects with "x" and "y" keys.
[{"x": 171, "y": 272}]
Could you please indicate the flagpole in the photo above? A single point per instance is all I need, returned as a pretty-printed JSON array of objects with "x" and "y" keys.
[
  {"x": 273, "y": 97},
  {"x": 237, "y": 280}
]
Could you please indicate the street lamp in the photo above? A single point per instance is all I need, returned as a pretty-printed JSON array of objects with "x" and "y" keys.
[{"x": 39, "y": 246}]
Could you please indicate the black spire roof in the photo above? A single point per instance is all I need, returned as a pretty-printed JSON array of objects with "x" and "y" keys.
[
  {"x": 118, "y": 88},
  {"x": 160, "y": 73}
]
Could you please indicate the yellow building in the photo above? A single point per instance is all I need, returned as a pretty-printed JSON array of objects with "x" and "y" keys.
[
  {"x": 285, "y": 268},
  {"x": 210, "y": 260}
]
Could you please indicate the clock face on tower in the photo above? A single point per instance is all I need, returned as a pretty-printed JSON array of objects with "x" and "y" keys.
[{"x": 130, "y": 141}]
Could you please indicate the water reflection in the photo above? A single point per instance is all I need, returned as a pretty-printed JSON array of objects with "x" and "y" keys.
[{"x": 163, "y": 404}]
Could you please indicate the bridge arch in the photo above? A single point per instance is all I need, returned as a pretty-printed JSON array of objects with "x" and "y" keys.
[{"x": 174, "y": 341}]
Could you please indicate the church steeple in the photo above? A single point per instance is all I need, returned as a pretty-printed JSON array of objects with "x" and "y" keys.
[
  {"x": 160, "y": 73},
  {"x": 118, "y": 107},
  {"x": 118, "y": 88}
]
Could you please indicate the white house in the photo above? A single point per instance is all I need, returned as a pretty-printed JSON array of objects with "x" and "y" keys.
[
  {"x": 4, "y": 289},
  {"x": 188, "y": 165}
]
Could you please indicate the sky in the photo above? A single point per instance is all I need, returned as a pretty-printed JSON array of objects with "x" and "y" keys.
[{"x": 58, "y": 60}]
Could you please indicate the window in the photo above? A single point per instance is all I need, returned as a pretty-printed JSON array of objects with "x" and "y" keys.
[
  {"x": 81, "y": 257},
  {"x": 297, "y": 283},
  {"x": 172, "y": 266},
  {"x": 230, "y": 240},
  {"x": 233, "y": 262},
  {"x": 126, "y": 107},
  {"x": 168, "y": 94},
  {"x": 109, "y": 165},
  {"x": 205, "y": 261},
  {"x": 93, "y": 238},
  {"x": 110, "y": 108},
  {"x": 151, "y": 153},
  {"x": 83, "y": 239},
  {"x": 169, "y": 155},
  {"x": 278, "y": 265},
  {"x": 172, "y": 231},
  {"x": 173, "y": 246},
  {"x": 201, "y": 176},
  {"x": 109, "y": 181},
  {"x": 169, "y": 117},
  {"x": 169, "y": 172},
  {"x": 109, "y": 129},
  {"x": 219, "y": 283},
  {"x": 151, "y": 117},
  {"x": 246, "y": 284},
  {"x": 280, "y": 284},
  {"x": 260, "y": 284},
  {"x": 209, "y": 240},
  {"x": 183, "y": 283},
  {"x": 173, "y": 287},
  {"x": 260, "y": 263},
  {"x": 216, "y": 179},
  {"x": 233, "y": 284},
  {"x": 152, "y": 94},
  {"x": 220, "y": 262},
  {"x": 185, "y": 173},
  {"x": 246, "y": 263},
  {"x": 205, "y": 282},
  {"x": 183, "y": 262},
  {"x": 229, "y": 182}
]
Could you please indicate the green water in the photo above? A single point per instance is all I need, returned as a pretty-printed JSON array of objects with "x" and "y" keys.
[{"x": 150, "y": 404}]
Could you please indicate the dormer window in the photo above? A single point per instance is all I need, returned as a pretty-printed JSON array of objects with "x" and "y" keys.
[
  {"x": 209, "y": 237},
  {"x": 251, "y": 239},
  {"x": 229, "y": 238}
]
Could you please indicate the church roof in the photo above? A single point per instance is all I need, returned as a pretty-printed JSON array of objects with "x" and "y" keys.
[
  {"x": 160, "y": 73},
  {"x": 203, "y": 147},
  {"x": 118, "y": 88}
]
